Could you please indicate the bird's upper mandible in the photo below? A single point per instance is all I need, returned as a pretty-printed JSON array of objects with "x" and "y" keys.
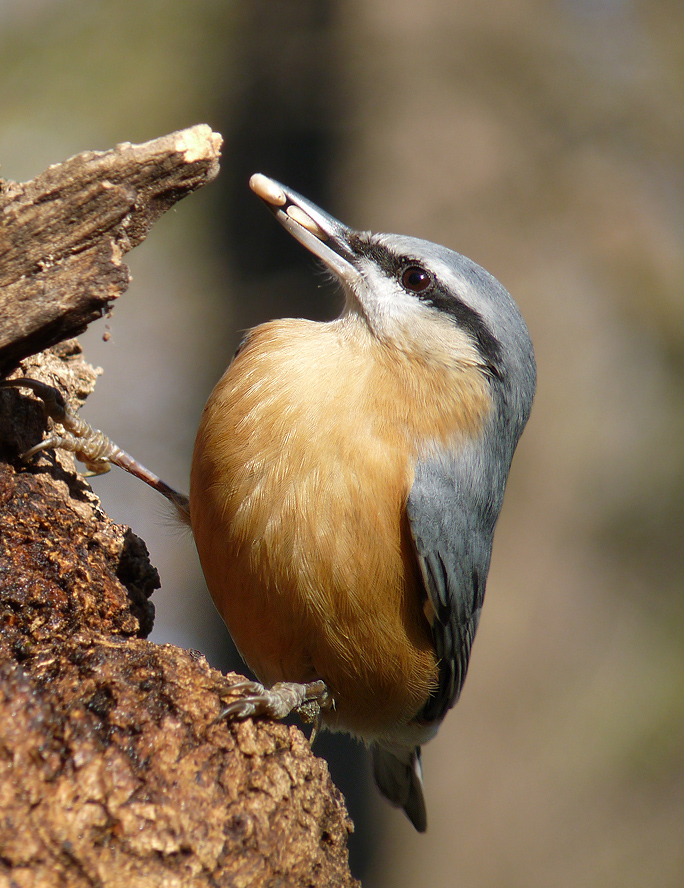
[{"x": 347, "y": 478}]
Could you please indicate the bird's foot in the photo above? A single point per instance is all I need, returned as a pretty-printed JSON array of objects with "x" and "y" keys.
[
  {"x": 89, "y": 445},
  {"x": 68, "y": 431},
  {"x": 307, "y": 700}
]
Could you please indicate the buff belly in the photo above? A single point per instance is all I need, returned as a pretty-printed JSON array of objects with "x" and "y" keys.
[{"x": 297, "y": 499}]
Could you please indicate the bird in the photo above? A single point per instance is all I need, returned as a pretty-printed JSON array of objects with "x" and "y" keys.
[{"x": 346, "y": 481}]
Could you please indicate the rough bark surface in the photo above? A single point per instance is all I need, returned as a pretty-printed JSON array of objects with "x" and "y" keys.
[{"x": 113, "y": 768}]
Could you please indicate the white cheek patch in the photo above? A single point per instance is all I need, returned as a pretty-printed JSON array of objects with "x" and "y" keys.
[
  {"x": 439, "y": 340},
  {"x": 384, "y": 301}
]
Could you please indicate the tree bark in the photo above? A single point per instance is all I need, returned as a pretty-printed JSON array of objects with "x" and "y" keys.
[{"x": 113, "y": 766}]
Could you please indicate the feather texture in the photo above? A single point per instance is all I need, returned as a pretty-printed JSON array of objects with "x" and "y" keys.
[{"x": 303, "y": 465}]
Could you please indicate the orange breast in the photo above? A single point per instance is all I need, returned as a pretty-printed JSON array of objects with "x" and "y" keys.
[{"x": 302, "y": 466}]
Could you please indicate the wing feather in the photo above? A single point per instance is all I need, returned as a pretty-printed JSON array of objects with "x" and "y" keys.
[{"x": 452, "y": 509}]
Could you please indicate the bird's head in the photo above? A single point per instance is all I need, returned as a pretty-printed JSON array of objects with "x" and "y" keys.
[{"x": 417, "y": 296}]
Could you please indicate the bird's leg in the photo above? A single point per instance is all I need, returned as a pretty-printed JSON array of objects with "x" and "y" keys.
[
  {"x": 89, "y": 445},
  {"x": 307, "y": 700}
]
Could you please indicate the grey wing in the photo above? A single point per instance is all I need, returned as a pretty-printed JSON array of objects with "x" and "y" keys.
[{"x": 452, "y": 509}]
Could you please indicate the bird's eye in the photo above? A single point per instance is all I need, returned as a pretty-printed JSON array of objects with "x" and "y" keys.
[{"x": 416, "y": 279}]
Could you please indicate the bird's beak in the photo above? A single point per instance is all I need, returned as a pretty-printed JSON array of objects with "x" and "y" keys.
[{"x": 319, "y": 232}]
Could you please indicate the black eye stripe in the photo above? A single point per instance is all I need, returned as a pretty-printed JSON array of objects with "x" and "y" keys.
[
  {"x": 389, "y": 262},
  {"x": 467, "y": 319}
]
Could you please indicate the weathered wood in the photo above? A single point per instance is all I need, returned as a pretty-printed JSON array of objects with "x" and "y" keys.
[
  {"x": 63, "y": 235},
  {"x": 114, "y": 769}
]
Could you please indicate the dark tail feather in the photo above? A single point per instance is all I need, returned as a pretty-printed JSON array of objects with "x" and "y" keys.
[{"x": 399, "y": 777}]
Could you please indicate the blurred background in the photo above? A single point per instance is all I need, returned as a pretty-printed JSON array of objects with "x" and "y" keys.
[{"x": 545, "y": 140}]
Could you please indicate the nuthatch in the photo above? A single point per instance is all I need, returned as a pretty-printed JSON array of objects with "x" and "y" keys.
[{"x": 346, "y": 480}]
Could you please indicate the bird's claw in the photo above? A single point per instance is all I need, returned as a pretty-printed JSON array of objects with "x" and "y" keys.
[
  {"x": 69, "y": 431},
  {"x": 277, "y": 702},
  {"x": 89, "y": 445}
]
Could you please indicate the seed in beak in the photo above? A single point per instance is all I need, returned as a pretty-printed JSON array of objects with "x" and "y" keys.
[
  {"x": 298, "y": 215},
  {"x": 267, "y": 190}
]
